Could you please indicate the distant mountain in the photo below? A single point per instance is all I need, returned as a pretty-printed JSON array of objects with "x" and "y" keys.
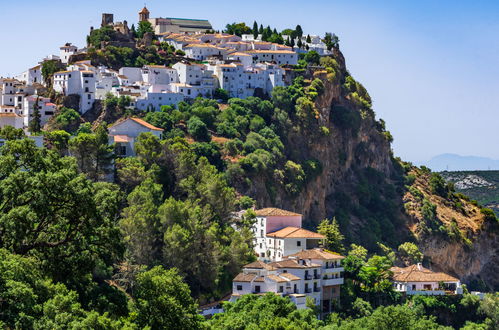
[{"x": 453, "y": 162}]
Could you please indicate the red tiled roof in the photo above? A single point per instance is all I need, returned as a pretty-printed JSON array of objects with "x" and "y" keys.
[
  {"x": 319, "y": 254},
  {"x": 295, "y": 232},
  {"x": 417, "y": 273},
  {"x": 146, "y": 124},
  {"x": 273, "y": 211}
]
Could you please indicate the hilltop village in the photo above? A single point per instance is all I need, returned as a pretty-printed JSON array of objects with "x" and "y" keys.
[
  {"x": 170, "y": 127},
  {"x": 239, "y": 66}
]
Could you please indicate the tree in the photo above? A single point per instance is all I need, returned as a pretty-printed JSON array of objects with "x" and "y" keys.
[
  {"x": 57, "y": 140},
  {"x": 198, "y": 129},
  {"x": 362, "y": 308},
  {"x": 266, "y": 312},
  {"x": 54, "y": 214},
  {"x": 334, "y": 238},
  {"x": 312, "y": 57},
  {"x": 49, "y": 68},
  {"x": 299, "y": 44},
  {"x": 221, "y": 94},
  {"x": 398, "y": 317},
  {"x": 164, "y": 301},
  {"x": 144, "y": 27},
  {"x": 35, "y": 124},
  {"x": 299, "y": 31},
  {"x": 309, "y": 40},
  {"x": 255, "y": 30},
  {"x": 93, "y": 153},
  {"x": 409, "y": 253}
]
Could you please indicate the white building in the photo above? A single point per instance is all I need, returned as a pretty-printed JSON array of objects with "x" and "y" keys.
[
  {"x": 32, "y": 76},
  {"x": 45, "y": 107},
  {"x": 159, "y": 75},
  {"x": 132, "y": 75},
  {"x": 81, "y": 83},
  {"x": 290, "y": 240},
  {"x": 124, "y": 132},
  {"x": 154, "y": 101},
  {"x": 280, "y": 57},
  {"x": 66, "y": 51},
  {"x": 417, "y": 280},
  {"x": 309, "y": 273},
  {"x": 202, "y": 52}
]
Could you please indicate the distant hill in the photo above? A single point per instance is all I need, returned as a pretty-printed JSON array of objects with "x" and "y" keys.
[
  {"x": 453, "y": 162},
  {"x": 482, "y": 186}
]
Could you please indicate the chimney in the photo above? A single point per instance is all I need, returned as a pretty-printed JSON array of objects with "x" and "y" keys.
[{"x": 419, "y": 266}]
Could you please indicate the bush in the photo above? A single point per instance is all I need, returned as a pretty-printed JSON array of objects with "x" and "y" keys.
[
  {"x": 489, "y": 215},
  {"x": 438, "y": 185}
]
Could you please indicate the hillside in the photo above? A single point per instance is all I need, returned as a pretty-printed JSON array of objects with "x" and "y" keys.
[{"x": 482, "y": 186}]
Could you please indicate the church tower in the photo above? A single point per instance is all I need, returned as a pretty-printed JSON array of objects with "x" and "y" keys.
[{"x": 144, "y": 14}]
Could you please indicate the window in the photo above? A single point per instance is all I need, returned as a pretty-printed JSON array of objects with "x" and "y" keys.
[
  {"x": 414, "y": 287},
  {"x": 239, "y": 287},
  {"x": 262, "y": 255},
  {"x": 257, "y": 289},
  {"x": 261, "y": 233},
  {"x": 260, "y": 245},
  {"x": 89, "y": 96},
  {"x": 281, "y": 288},
  {"x": 298, "y": 243}
]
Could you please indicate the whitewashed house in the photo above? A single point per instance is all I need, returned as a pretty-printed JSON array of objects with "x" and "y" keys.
[
  {"x": 290, "y": 240},
  {"x": 310, "y": 273},
  {"x": 45, "y": 107},
  {"x": 159, "y": 75},
  {"x": 124, "y": 133},
  {"x": 66, "y": 52},
  {"x": 417, "y": 280},
  {"x": 203, "y": 51},
  {"x": 132, "y": 75},
  {"x": 269, "y": 220},
  {"x": 81, "y": 83},
  {"x": 32, "y": 76},
  {"x": 280, "y": 57}
]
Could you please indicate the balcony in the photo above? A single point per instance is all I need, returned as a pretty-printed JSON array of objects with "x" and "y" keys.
[
  {"x": 332, "y": 281},
  {"x": 308, "y": 277},
  {"x": 317, "y": 276}
]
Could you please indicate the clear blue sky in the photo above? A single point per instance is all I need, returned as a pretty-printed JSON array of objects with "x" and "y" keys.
[{"x": 431, "y": 67}]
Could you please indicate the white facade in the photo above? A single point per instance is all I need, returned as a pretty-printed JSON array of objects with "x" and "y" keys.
[
  {"x": 32, "y": 76},
  {"x": 81, "y": 83},
  {"x": 281, "y": 57},
  {"x": 316, "y": 274},
  {"x": 417, "y": 280},
  {"x": 154, "y": 101},
  {"x": 124, "y": 133},
  {"x": 45, "y": 107},
  {"x": 202, "y": 52},
  {"x": 66, "y": 51}
]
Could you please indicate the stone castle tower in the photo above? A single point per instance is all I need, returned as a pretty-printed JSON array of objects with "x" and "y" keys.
[
  {"x": 144, "y": 14},
  {"x": 107, "y": 19}
]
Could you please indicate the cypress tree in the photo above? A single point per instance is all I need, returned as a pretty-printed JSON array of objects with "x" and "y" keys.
[
  {"x": 255, "y": 30},
  {"x": 35, "y": 124}
]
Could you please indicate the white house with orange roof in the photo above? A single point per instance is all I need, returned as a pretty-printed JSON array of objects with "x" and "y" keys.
[
  {"x": 316, "y": 274},
  {"x": 290, "y": 240},
  {"x": 124, "y": 133},
  {"x": 269, "y": 220},
  {"x": 417, "y": 280}
]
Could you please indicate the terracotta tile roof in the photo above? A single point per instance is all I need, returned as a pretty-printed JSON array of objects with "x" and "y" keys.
[
  {"x": 244, "y": 277},
  {"x": 319, "y": 254},
  {"x": 295, "y": 232},
  {"x": 290, "y": 276},
  {"x": 276, "y": 278},
  {"x": 122, "y": 138},
  {"x": 259, "y": 265},
  {"x": 259, "y": 279},
  {"x": 9, "y": 115},
  {"x": 417, "y": 273},
  {"x": 273, "y": 211},
  {"x": 292, "y": 263},
  {"x": 270, "y": 52},
  {"x": 146, "y": 124}
]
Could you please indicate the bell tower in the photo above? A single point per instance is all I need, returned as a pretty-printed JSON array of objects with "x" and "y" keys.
[{"x": 144, "y": 14}]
